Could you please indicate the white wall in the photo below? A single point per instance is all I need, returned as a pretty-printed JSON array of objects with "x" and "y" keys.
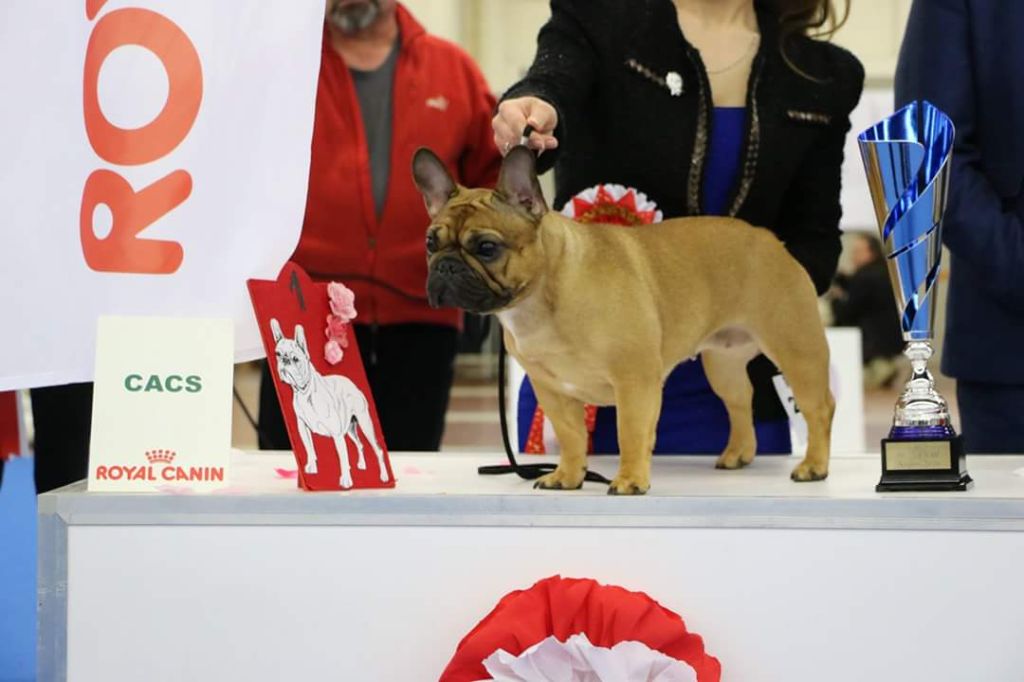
[
  {"x": 500, "y": 34},
  {"x": 873, "y": 32},
  {"x": 441, "y": 17}
]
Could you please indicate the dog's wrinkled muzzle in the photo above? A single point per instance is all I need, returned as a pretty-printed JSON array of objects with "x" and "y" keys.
[{"x": 452, "y": 283}]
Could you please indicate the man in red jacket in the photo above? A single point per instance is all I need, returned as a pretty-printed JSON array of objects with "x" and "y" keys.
[{"x": 387, "y": 88}]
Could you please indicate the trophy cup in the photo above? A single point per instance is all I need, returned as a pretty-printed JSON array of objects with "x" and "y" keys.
[{"x": 907, "y": 161}]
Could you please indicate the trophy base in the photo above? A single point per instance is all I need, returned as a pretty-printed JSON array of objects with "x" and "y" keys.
[{"x": 934, "y": 464}]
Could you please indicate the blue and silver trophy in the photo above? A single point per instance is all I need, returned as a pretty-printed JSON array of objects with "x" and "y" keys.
[{"x": 907, "y": 161}]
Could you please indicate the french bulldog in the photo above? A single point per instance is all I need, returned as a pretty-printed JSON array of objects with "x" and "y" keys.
[
  {"x": 601, "y": 314},
  {"x": 330, "y": 406}
]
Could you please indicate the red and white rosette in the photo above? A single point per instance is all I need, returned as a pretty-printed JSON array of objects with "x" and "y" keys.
[
  {"x": 579, "y": 660},
  {"x": 611, "y": 204},
  {"x": 576, "y": 630},
  {"x": 607, "y": 204}
]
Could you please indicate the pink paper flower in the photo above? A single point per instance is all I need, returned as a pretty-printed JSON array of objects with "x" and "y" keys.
[
  {"x": 333, "y": 352},
  {"x": 337, "y": 330},
  {"x": 343, "y": 301}
]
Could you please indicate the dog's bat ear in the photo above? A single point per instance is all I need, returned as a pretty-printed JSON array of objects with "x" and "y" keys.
[
  {"x": 433, "y": 180},
  {"x": 517, "y": 183},
  {"x": 275, "y": 329},
  {"x": 300, "y": 338}
]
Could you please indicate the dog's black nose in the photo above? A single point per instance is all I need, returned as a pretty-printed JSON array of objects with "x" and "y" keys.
[{"x": 448, "y": 267}]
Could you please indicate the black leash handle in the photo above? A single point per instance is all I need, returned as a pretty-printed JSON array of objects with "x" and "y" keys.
[
  {"x": 524, "y": 139},
  {"x": 528, "y": 472}
]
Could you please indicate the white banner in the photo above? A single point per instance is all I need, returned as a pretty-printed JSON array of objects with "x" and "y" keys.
[{"x": 154, "y": 155}]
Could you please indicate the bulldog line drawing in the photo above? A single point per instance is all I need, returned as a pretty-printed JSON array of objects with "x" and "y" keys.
[{"x": 326, "y": 405}]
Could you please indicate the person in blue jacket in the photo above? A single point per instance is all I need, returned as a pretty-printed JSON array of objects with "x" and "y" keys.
[{"x": 966, "y": 58}]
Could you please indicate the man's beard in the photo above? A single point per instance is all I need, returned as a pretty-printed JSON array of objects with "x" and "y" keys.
[{"x": 354, "y": 17}]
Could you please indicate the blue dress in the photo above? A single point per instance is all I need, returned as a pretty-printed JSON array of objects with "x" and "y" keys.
[{"x": 693, "y": 419}]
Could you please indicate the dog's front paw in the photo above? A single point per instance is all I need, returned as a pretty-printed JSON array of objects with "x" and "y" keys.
[
  {"x": 310, "y": 467},
  {"x": 560, "y": 479},
  {"x": 628, "y": 485},
  {"x": 383, "y": 475},
  {"x": 346, "y": 481},
  {"x": 805, "y": 471},
  {"x": 735, "y": 458},
  {"x": 361, "y": 465}
]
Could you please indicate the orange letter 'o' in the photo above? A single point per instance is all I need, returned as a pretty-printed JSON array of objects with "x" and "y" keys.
[{"x": 162, "y": 37}]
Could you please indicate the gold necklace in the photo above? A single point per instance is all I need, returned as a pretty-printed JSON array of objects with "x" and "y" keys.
[{"x": 746, "y": 53}]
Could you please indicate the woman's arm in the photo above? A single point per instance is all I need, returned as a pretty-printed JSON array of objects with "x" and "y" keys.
[
  {"x": 809, "y": 223},
  {"x": 562, "y": 74}
]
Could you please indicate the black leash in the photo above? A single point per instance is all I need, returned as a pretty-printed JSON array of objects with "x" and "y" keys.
[{"x": 528, "y": 472}]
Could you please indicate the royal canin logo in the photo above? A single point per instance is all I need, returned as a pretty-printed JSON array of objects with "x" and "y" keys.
[
  {"x": 160, "y": 456},
  {"x": 161, "y": 468}
]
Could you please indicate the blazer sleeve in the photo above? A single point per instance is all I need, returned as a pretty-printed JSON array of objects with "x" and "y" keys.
[
  {"x": 809, "y": 224},
  {"x": 563, "y": 70},
  {"x": 935, "y": 64}
]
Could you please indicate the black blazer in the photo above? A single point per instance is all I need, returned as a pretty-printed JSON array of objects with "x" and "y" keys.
[{"x": 604, "y": 65}]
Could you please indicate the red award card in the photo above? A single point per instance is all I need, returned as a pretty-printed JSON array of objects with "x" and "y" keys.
[{"x": 320, "y": 381}]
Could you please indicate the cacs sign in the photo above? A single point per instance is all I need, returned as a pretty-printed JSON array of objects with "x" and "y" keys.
[
  {"x": 172, "y": 383},
  {"x": 186, "y": 414},
  {"x": 123, "y": 250}
]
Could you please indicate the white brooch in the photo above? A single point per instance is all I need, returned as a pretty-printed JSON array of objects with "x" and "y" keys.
[{"x": 674, "y": 82}]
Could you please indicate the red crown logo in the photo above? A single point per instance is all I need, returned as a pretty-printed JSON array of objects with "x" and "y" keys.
[{"x": 160, "y": 456}]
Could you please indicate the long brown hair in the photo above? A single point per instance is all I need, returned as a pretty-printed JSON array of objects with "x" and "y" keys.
[{"x": 813, "y": 18}]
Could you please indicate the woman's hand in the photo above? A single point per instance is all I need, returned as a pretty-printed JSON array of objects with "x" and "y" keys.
[{"x": 513, "y": 116}]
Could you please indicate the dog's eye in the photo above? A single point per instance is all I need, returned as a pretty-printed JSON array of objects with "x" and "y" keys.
[
  {"x": 487, "y": 250},
  {"x": 431, "y": 243}
]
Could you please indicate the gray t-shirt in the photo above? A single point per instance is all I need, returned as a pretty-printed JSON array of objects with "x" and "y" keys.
[{"x": 374, "y": 90}]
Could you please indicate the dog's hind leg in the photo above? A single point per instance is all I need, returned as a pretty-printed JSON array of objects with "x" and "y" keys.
[
  {"x": 353, "y": 433},
  {"x": 727, "y": 373},
  {"x": 801, "y": 352},
  {"x": 568, "y": 418},
  {"x": 361, "y": 422}
]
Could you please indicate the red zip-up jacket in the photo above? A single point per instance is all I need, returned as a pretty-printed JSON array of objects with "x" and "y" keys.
[{"x": 441, "y": 101}]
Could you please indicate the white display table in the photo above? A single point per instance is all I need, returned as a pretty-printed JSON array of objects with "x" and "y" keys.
[{"x": 795, "y": 582}]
